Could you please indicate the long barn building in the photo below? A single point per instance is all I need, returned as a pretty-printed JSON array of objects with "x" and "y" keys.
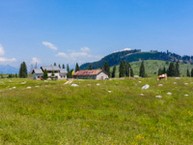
[{"x": 91, "y": 74}]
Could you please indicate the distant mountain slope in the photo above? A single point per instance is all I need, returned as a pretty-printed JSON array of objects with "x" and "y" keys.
[
  {"x": 136, "y": 55},
  {"x": 112, "y": 59},
  {"x": 7, "y": 69},
  {"x": 152, "y": 66}
]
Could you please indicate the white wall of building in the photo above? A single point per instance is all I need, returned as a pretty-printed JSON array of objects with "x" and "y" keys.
[{"x": 102, "y": 76}]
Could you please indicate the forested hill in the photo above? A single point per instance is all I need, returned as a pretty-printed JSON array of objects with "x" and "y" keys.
[{"x": 136, "y": 55}]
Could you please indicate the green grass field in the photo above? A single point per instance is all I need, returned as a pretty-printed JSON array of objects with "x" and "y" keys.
[
  {"x": 96, "y": 112},
  {"x": 152, "y": 66}
]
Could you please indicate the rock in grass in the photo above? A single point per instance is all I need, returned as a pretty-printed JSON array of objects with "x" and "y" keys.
[
  {"x": 160, "y": 85},
  {"x": 169, "y": 93},
  {"x": 186, "y": 95},
  {"x": 158, "y": 96},
  {"x": 74, "y": 85},
  {"x": 23, "y": 83},
  {"x": 29, "y": 87},
  {"x": 145, "y": 87},
  {"x": 98, "y": 84}
]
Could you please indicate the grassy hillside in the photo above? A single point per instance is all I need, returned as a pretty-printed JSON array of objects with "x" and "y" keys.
[
  {"x": 152, "y": 66},
  {"x": 96, "y": 112}
]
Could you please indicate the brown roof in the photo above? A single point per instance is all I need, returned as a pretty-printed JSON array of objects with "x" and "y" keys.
[{"x": 87, "y": 72}]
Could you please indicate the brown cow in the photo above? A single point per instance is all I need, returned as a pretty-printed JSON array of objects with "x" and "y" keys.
[{"x": 162, "y": 76}]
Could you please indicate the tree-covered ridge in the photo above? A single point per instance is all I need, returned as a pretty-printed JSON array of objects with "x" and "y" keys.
[
  {"x": 112, "y": 59},
  {"x": 136, "y": 55}
]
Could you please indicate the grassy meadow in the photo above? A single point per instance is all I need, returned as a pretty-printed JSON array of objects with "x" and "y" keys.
[
  {"x": 152, "y": 67},
  {"x": 107, "y": 112}
]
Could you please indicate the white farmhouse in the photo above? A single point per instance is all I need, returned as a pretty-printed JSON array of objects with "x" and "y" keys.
[
  {"x": 53, "y": 72},
  {"x": 37, "y": 74}
]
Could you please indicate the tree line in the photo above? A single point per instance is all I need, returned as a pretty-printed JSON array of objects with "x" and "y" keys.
[{"x": 125, "y": 70}]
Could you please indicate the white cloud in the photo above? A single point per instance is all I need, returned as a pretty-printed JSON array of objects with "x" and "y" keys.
[
  {"x": 125, "y": 49},
  {"x": 85, "y": 49},
  {"x": 81, "y": 56},
  {"x": 49, "y": 45},
  {"x": 2, "y": 52},
  {"x": 62, "y": 54},
  {"x": 35, "y": 60},
  {"x": 6, "y": 60}
]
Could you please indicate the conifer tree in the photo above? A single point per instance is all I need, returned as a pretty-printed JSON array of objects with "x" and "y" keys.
[
  {"x": 192, "y": 72},
  {"x": 113, "y": 72},
  {"x": 131, "y": 72},
  {"x": 106, "y": 68},
  {"x": 127, "y": 69},
  {"x": 68, "y": 70},
  {"x": 160, "y": 71},
  {"x": 177, "y": 69},
  {"x": 188, "y": 73},
  {"x": 77, "y": 68},
  {"x": 164, "y": 70},
  {"x": 45, "y": 75},
  {"x": 63, "y": 66},
  {"x": 59, "y": 65},
  {"x": 171, "y": 72},
  {"x": 69, "y": 75},
  {"x": 122, "y": 69},
  {"x": 23, "y": 70},
  {"x": 142, "y": 70}
]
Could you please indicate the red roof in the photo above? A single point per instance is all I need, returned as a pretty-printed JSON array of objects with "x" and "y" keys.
[{"x": 87, "y": 72}]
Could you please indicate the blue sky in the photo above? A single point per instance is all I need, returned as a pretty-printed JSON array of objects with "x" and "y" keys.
[{"x": 70, "y": 31}]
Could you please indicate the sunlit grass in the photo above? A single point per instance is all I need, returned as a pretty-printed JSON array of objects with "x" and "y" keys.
[{"x": 96, "y": 112}]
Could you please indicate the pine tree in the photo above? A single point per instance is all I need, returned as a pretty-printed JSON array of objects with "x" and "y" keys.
[
  {"x": 164, "y": 70},
  {"x": 177, "y": 69},
  {"x": 142, "y": 70},
  {"x": 192, "y": 72},
  {"x": 54, "y": 64},
  {"x": 131, "y": 72},
  {"x": 113, "y": 72},
  {"x": 23, "y": 70},
  {"x": 188, "y": 73},
  {"x": 45, "y": 75},
  {"x": 68, "y": 70},
  {"x": 122, "y": 69},
  {"x": 77, "y": 68},
  {"x": 160, "y": 71},
  {"x": 106, "y": 68},
  {"x": 127, "y": 69},
  {"x": 63, "y": 66},
  {"x": 69, "y": 74},
  {"x": 59, "y": 66},
  {"x": 171, "y": 72}
]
